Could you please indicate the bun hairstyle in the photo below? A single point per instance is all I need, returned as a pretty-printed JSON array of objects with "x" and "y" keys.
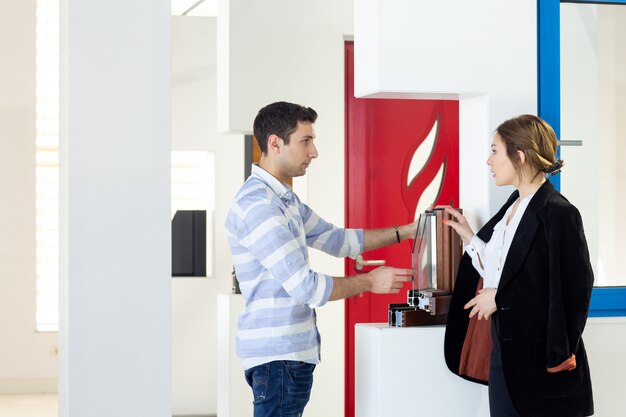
[
  {"x": 536, "y": 139},
  {"x": 555, "y": 168}
]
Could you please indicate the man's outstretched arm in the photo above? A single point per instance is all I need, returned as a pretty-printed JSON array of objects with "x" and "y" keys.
[
  {"x": 383, "y": 280},
  {"x": 378, "y": 238}
]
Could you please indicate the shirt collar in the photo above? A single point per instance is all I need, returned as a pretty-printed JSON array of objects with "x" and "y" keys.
[
  {"x": 521, "y": 208},
  {"x": 281, "y": 190}
]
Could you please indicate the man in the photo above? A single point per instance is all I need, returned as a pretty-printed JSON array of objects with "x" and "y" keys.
[{"x": 269, "y": 230}]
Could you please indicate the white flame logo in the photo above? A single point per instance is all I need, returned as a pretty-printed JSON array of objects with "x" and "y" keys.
[{"x": 419, "y": 160}]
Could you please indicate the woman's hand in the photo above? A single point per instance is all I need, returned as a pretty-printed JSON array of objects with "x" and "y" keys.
[
  {"x": 459, "y": 224},
  {"x": 484, "y": 304}
]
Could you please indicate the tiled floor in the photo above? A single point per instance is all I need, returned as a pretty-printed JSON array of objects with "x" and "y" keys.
[{"x": 45, "y": 405}]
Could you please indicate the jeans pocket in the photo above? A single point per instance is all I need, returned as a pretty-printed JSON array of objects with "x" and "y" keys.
[
  {"x": 258, "y": 378},
  {"x": 299, "y": 377},
  {"x": 298, "y": 380}
]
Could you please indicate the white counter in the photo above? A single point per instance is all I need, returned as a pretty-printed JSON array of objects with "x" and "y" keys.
[{"x": 402, "y": 372}]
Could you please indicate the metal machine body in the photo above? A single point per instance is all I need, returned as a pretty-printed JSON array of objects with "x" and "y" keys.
[{"x": 436, "y": 255}]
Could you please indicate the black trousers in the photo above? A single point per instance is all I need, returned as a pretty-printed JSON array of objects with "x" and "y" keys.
[{"x": 500, "y": 404}]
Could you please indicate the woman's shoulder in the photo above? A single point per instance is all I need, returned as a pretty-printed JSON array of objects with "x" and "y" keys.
[
  {"x": 558, "y": 201},
  {"x": 559, "y": 207}
]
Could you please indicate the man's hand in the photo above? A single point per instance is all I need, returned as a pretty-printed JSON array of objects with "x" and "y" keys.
[
  {"x": 382, "y": 280},
  {"x": 387, "y": 280},
  {"x": 484, "y": 304}
]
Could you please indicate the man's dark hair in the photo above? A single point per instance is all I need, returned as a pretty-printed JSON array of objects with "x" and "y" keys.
[{"x": 280, "y": 118}]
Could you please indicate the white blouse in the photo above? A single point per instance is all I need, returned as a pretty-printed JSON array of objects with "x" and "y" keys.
[{"x": 489, "y": 258}]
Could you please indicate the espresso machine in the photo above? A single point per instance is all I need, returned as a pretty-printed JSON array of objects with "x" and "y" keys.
[{"x": 436, "y": 254}]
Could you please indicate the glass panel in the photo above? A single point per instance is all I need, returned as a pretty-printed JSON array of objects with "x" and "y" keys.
[
  {"x": 593, "y": 105},
  {"x": 424, "y": 252}
]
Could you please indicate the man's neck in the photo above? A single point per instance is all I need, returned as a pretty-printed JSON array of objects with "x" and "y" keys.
[{"x": 266, "y": 165}]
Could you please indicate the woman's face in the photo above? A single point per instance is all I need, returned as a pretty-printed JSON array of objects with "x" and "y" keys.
[{"x": 502, "y": 168}]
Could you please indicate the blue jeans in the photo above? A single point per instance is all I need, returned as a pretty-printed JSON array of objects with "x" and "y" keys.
[{"x": 280, "y": 388}]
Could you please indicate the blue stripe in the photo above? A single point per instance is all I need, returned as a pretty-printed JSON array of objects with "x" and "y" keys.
[
  {"x": 608, "y": 302},
  {"x": 274, "y": 317},
  {"x": 596, "y": 2},
  {"x": 549, "y": 74}
]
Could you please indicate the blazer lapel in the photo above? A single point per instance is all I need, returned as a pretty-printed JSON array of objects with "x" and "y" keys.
[{"x": 524, "y": 234}]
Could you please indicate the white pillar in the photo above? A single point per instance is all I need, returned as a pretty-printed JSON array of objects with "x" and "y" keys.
[{"x": 114, "y": 338}]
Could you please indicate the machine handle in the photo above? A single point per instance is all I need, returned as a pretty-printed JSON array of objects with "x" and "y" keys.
[{"x": 360, "y": 263}]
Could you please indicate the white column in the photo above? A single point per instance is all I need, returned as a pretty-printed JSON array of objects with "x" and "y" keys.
[{"x": 114, "y": 339}]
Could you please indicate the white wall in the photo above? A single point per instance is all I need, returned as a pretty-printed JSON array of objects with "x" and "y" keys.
[
  {"x": 194, "y": 300},
  {"x": 451, "y": 49},
  {"x": 115, "y": 150},
  {"x": 193, "y": 126},
  {"x": 27, "y": 358},
  {"x": 605, "y": 341}
]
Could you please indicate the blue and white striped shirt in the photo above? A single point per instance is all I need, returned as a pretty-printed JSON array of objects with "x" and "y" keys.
[{"x": 269, "y": 229}]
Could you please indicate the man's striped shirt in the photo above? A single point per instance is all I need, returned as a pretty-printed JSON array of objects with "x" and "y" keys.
[{"x": 269, "y": 229}]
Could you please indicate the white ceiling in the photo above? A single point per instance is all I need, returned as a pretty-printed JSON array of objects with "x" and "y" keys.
[{"x": 194, "y": 8}]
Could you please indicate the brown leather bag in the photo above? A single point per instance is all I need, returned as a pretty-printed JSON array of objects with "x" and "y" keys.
[{"x": 476, "y": 352}]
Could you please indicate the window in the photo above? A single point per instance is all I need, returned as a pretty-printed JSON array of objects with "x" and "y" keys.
[
  {"x": 47, "y": 165},
  {"x": 605, "y": 301},
  {"x": 591, "y": 77}
]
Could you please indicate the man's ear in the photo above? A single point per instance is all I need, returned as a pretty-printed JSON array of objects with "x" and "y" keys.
[{"x": 274, "y": 143}]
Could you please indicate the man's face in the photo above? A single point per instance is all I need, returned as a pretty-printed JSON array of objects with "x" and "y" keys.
[{"x": 296, "y": 156}]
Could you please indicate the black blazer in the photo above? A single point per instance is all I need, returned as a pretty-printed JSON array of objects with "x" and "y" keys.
[{"x": 542, "y": 305}]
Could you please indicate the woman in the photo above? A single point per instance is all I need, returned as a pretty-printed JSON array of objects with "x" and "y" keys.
[{"x": 536, "y": 286}]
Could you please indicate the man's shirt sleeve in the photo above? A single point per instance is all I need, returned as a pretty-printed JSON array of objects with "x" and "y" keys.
[
  {"x": 328, "y": 238},
  {"x": 264, "y": 231}
]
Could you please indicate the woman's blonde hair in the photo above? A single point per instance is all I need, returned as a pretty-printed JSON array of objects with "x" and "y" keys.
[{"x": 535, "y": 138}]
